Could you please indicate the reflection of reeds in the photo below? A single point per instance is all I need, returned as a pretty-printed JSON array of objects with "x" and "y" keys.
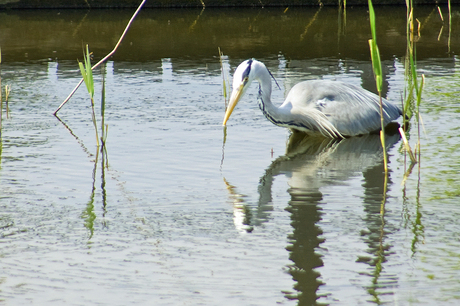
[
  {"x": 191, "y": 28},
  {"x": 342, "y": 17},
  {"x": 302, "y": 36},
  {"x": 380, "y": 251},
  {"x": 88, "y": 213},
  {"x": 80, "y": 142}
]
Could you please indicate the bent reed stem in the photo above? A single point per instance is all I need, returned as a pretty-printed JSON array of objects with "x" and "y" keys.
[{"x": 105, "y": 58}]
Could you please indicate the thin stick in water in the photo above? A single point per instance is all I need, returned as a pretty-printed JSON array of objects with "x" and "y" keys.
[{"x": 105, "y": 58}]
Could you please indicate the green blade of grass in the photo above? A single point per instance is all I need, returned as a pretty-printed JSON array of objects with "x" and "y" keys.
[
  {"x": 378, "y": 74},
  {"x": 87, "y": 72}
]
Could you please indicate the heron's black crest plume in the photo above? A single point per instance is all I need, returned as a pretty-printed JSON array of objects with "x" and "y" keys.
[
  {"x": 248, "y": 69},
  {"x": 274, "y": 79}
]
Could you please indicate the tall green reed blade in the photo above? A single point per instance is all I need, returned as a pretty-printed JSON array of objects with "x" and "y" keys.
[
  {"x": 87, "y": 74},
  {"x": 103, "y": 125},
  {"x": 378, "y": 74},
  {"x": 411, "y": 80},
  {"x": 7, "y": 95},
  {"x": 224, "y": 81},
  {"x": 1, "y": 101}
]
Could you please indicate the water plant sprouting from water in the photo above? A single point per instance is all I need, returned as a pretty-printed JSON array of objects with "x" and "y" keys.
[
  {"x": 1, "y": 100},
  {"x": 378, "y": 74},
  {"x": 225, "y": 86},
  {"x": 414, "y": 87},
  {"x": 87, "y": 74}
]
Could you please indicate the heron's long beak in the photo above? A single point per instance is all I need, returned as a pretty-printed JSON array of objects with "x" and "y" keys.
[{"x": 236, "y": 95}]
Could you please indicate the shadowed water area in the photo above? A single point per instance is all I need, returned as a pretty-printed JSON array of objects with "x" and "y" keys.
[{"x": 179, "y": 211}]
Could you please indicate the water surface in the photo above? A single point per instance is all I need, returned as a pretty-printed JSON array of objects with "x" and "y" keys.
[{"x": 169, "y": 214}]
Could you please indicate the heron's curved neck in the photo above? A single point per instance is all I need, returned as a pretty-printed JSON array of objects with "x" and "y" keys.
[{"x": 264, "y": 98}]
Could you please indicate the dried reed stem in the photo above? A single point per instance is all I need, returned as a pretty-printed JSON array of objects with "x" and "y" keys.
[{"x": 105, "y": 58}]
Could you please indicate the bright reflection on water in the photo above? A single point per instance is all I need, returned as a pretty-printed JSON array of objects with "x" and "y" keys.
[{"x": 172, "y": 214}]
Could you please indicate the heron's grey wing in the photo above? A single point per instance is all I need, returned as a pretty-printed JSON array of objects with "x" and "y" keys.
[{"x": 351, "y": 109}]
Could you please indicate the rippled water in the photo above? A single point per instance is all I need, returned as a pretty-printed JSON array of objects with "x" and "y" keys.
[{"x": 171, "y": 214}]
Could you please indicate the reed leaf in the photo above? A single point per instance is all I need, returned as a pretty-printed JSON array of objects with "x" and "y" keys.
[
  {"x": 224, "y": 81},
  {"x": 378, "y": 74},
  {"x": 87, "y": 72},
  {"x": 1, "y": 101},
  {"x": 87, "y": 75},
  {"x": 376, "y": 64}
]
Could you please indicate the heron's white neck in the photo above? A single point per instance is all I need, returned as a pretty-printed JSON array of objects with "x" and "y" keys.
[{"x": 270, "y": 111}]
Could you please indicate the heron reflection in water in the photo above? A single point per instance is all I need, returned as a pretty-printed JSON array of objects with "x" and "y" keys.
[
  {"x": 312, "y": 164},
  {"x": 331, "y": 108}
]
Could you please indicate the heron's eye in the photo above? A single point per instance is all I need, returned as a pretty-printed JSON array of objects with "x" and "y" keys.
[{"x": 245, "y": 80}]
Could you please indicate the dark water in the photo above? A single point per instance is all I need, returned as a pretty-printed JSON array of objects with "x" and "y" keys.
[{"x": 169, "y": 214}]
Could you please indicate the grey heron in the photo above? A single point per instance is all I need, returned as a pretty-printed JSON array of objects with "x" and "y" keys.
[{"x": 332, "y": 108}]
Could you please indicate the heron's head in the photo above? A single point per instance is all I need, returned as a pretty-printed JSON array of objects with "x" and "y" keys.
[{"x": 242, "y": 78}]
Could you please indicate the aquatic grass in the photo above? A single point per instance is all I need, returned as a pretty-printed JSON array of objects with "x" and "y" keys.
[
  {"x": 411, "y": 108},
  {"x": 413, "y": 85},
  {"x": 104, "y": 127},
  {"x": 1, "y": 100},
  {"x": 87, "y": 74},
  {"x": 7, "y": 95},
  {"x": 225, "y": 92},
  {"x": 378, "y": 74},
  {"x": 224, "y": 78}
]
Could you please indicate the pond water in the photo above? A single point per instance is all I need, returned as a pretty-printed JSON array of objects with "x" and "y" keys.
[{"x": 179, "y": 211}]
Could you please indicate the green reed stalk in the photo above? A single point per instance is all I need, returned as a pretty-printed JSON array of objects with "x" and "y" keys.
[
  {"x": 104, "y": 131},
  {"x": 7, "y": 95},
  {"x": 87, "y": 74},
  {"x": 224, "y": 82},
  {"x": 378, "y": 74},
  {"x": 104, "y": 127},
  {"x": 412, "y": 81},
  {"x": 1, "y": 101},
  {"x": 450, "y": 26}
]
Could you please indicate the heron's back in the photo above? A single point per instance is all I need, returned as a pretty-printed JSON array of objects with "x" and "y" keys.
[{"x": 350, "y": 109}]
